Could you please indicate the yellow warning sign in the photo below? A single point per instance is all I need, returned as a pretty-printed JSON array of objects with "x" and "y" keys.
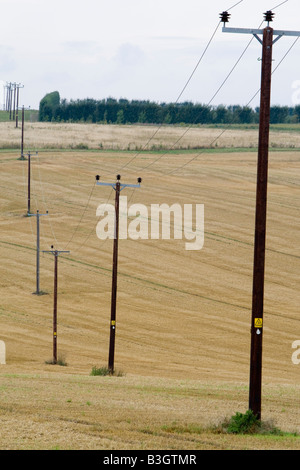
[{"x": 258, "y": 322}]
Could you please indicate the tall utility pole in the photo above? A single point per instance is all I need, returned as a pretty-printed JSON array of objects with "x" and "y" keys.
[
  {"x": 118, "y": 187},
  {"x": 261, "y": 202},
  {"x": 56, "y": 253},
  {"x": 7, "y": 100},
  {"x": 22, "y": 135},
  {"x": 17, "y": 105},
  {"x": 14, "y": 105},
  {"x": 29, "y": 182},
  {"x": 10, "y": 100},
  {"x": 38, "y": 215}
]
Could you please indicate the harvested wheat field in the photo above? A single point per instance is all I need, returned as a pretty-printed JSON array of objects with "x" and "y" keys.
[
  {"x": 183, "y": 317},
  {"x": 44, "y": 135}
]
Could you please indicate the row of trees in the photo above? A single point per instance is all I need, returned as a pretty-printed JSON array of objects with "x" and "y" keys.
[{"x": 123, "y": 111}]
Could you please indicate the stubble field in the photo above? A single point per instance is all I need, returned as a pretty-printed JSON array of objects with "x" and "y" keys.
[{"x": 183, "y": 317}]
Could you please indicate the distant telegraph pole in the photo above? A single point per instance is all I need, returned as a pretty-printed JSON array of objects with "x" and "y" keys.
[
  {"x": 7, "y": 99},
  {"x": 17, "y": 105},
  {"x": 56, "y": 253},
  {"x": 29, "y": 182},
  {"x": 11, "y": 99},
  {"x": 14, "y": 106},
  {"x": 22, "y": 135},
  {"x": 261, "y": 202},
  {"x": 118, "y": 187},
  {"x": 38, "y": 215}
]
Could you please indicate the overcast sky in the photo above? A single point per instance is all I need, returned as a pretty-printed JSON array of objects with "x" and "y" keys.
[{"x": 139, "y": 49}]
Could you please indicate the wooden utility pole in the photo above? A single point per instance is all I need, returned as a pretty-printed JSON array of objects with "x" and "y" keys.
[
  {"x": 260, "y": 228},
  {"x": 114, "y": 281},
  {"x": 55, "y": 310},
  {"x": 118, "y": 188},
  {"x": 14, "y": 105},
  {"x": 29, "y": 182},
  {"x": 9, "y": 97},
  {"x": 7, "y": 86},
  {"x": 38, "y": 215},
  {"x": 268, "y": 33},
  {"x": 22, "y": 135},
  {"x": 56, "y": 253},
  {"x": 17, "y": 105},
  {"x": 10, "y": 100}
]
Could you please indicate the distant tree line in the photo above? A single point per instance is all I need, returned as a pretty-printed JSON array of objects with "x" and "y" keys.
[{"x": 123, "y": 111}]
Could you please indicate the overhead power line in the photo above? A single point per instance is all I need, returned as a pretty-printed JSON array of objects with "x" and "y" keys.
[
  {"x": 229, "y": 125},
  {"x": 209, "y": 102},
  {"x": 178, "y": 98},
  {"x": 231, "y": 8},
  {"x": 82, "y": 215},
  {"x": 277, "y": 6},
  {"x": 183, "y": 89},
  {"x": 93, "y": 229}
]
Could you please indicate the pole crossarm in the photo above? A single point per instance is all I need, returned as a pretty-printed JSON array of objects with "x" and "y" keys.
[
  {"x": 55, "y": 252},
  {"x": 30, "y": 154},
  {"x": 276, "y": 32},
  {"x": 37, "y": 214},
  {"x": 122, "y": 186},
  {"x": 257, "y": 32}
]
